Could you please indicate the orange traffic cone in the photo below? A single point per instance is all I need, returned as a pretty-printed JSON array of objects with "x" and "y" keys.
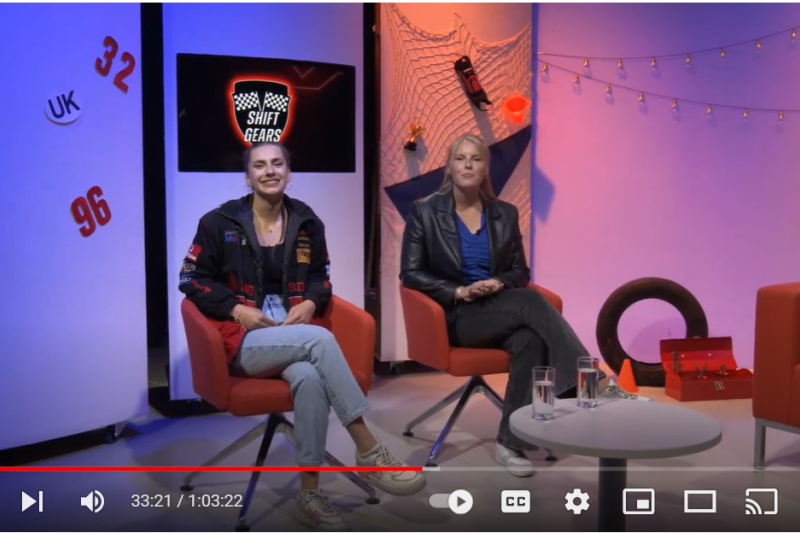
[{"x": 626, "y": 381}]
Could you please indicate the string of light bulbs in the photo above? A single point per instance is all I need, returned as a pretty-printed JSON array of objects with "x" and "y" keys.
[
  {"x": 643, "y": 95},
  {"x": 722, "y": 50}
]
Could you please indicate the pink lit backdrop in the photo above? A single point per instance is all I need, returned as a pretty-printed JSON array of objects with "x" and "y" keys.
[{"x": 622, "y": 192}]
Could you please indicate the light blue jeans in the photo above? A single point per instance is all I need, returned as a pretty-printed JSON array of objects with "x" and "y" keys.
[{"x": 310, "y": 360}]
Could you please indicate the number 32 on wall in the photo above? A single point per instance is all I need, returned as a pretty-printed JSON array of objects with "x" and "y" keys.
[
  {"x": 91, "y": 211},
  {"x": 103, "y": 64}
]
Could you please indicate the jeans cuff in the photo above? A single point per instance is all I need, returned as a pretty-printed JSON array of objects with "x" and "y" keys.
[{"x": 349, "y": 420}]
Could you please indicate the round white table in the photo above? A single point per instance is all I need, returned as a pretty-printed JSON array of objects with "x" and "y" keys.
[{"x": 615, "y": 431}]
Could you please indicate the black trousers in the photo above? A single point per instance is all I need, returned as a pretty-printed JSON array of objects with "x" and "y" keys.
[{"x": 526, "y": 325}]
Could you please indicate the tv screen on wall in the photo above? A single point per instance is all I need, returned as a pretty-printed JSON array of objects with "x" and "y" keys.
[{"x": 225, "y": 103}]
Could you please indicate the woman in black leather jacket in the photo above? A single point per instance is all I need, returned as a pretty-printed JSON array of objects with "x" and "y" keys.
[{"x": 462, "y": 247}]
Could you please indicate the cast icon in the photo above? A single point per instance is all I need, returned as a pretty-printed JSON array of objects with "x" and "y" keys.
[{"x": 768, "y": 505}]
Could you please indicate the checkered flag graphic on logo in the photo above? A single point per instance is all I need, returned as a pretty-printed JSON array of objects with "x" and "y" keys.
[
  {"x": 246, "y": 101},
  {"x": 276, "y": 102},
  {"x": 261, "y": 120}
]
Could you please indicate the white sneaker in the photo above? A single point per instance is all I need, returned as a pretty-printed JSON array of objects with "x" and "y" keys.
[
  {"x": 319, "y": 510},
  {"x": 395, "y": 482},
  {"x": 516, "y": 463}
]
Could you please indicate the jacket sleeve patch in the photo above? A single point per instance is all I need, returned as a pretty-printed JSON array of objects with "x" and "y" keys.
[{"x": 194, "y": 252}]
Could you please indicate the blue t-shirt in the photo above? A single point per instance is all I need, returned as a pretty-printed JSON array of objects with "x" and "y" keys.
[{"x": 475, "y": 260}]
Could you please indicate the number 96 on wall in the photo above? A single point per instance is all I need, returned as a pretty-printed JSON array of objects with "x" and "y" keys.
[{"x": 90, "y": 211}]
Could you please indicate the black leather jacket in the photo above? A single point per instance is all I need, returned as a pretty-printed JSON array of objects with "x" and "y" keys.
[{"x": 431, "y": 255}]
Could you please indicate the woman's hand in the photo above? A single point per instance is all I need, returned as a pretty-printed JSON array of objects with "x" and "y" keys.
[
  {"x": 479, "y": 289},
  {"x": 301, "y": 313},
  {"x": 251, "y": 318}
]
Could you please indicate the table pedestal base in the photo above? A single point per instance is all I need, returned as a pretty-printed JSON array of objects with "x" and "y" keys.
[{"x": 613, "y": 477}]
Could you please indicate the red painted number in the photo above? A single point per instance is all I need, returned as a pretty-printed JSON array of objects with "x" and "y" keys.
[
  {"x": 124, "y": 73},
  {"x": 91, "y": 211},
  {"x": 103, "y": 64}
]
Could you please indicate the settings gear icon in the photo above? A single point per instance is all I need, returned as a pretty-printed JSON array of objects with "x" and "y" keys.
[{"x": 577, "y": 494}]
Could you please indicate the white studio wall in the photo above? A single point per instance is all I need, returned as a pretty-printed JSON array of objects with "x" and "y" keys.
[
  {"x": 203, "y": 171},
  {"x": 74, "y": 340}
]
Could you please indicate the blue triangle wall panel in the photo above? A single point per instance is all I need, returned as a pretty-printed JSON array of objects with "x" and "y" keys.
[{"x": 505, "y": 156}]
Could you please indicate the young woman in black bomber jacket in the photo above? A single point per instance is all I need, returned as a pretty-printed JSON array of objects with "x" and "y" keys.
[{"x": 259, "y": 270}]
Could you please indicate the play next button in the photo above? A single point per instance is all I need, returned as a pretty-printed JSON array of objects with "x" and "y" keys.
[{"x": 27, "y": 501}]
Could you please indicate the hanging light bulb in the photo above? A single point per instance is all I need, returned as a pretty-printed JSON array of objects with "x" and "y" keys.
[
  {"x": 674, "y": 104},
  {"x": 758, "y": 45},
  {"x": 653, "y": 62},
  {"x": 722, "y": 53},
  {"x": 576, "y": 78},
  {"x": 544, "y": 67},
  {"x": 780, "y": 115},
  {"x": 641, "y": 97},
  {"x": 586, "y": 62},
  {"x": 608, "y": 89},
  {"x": 619, "y": 63},
  {"x": 794, "y": 34},
  {"x": 688, "y": 58},
  {"x": 745, "y": 113},
  {"x": 708, "y": 109}
]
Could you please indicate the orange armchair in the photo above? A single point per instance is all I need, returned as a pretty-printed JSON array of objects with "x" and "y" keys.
[
  {"x": 776, "y": 371},
  {"x": 428, "y": 344},
  {"x": 354, "y": 330}
]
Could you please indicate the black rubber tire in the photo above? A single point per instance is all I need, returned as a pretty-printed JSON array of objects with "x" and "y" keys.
[{"x": 646, "y": 374}]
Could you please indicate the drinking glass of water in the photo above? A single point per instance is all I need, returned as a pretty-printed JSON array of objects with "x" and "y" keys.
[
  {"x": 544, "y": 397},
  {"x": 588, "y": 380}
]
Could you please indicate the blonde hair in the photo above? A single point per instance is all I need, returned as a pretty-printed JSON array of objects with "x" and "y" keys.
[{"x": 486, "y": 185}]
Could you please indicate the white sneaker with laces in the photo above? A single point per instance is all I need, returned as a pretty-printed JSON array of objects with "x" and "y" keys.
[
  {"x": 516, "y": 463},
  {"x": 320, "y": 511},
  {"x": 395, "y": 482}
]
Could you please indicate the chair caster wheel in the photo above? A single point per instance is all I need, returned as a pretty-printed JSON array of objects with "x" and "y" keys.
[
  {"x": 187, "y": 488},
  {"x": 373, "y": 501},
  {"x": 551, "y": 458},
  {"x": 243, "y": 527},
  {"x": 408, "y": 433}
]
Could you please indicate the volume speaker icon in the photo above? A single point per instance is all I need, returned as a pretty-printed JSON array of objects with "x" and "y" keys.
[{"x": 94, "y": 501}]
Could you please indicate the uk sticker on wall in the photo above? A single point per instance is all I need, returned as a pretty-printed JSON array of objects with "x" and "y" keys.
[{"x": 62, "y": 108}]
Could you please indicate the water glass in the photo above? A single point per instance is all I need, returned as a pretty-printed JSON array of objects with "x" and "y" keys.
[
  {"x": 544, "y": 397},
  {"x": 588, "y": 381}
]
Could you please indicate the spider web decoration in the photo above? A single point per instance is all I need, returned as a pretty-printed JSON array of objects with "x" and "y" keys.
[{"x": 426, "y": 90}]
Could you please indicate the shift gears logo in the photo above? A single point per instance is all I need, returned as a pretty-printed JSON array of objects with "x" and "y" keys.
[{"x": 261, "y": 108}]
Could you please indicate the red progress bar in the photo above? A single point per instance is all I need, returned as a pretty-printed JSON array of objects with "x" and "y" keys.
[{"x": 209, "y": 468}]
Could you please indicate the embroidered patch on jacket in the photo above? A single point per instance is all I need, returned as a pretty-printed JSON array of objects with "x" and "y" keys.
[
  {"x": 187, "y": 267},
  {"x": 194, "y": 252},
  {"x": 231, "y": 236},
  {"x": 186, "y": 279},
  {"x": 303, "y": 255}
]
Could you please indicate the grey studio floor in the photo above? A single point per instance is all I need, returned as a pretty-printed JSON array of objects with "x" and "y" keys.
[{"x": 466, "y": 462}]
